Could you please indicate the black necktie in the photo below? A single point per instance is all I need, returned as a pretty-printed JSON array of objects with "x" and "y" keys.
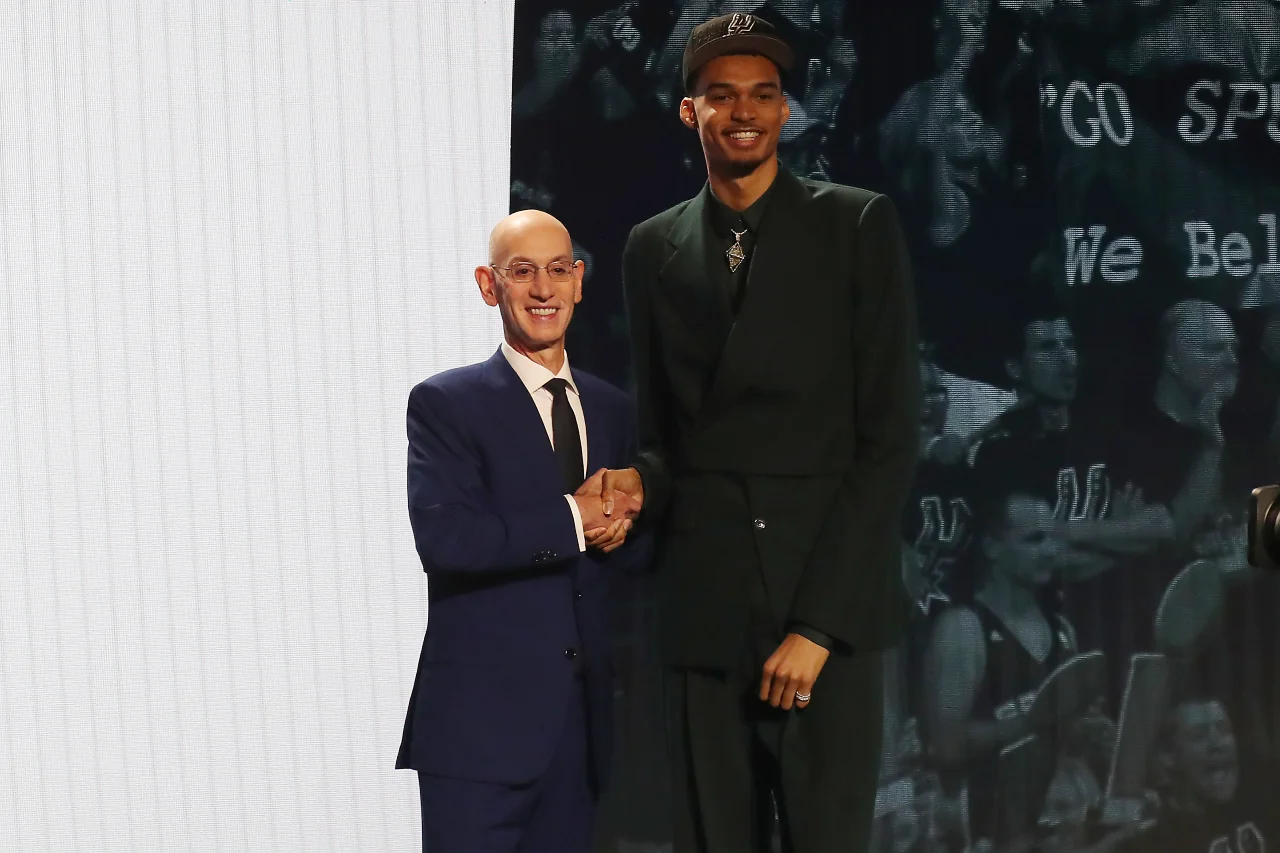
[{"x": 564, "y": 434}]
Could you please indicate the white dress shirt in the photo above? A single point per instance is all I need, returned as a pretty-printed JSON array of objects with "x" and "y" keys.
[{"x": 534, "y": 377}]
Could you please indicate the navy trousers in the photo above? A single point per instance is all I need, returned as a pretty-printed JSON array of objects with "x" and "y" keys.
[{"x": 554, "y": 814}]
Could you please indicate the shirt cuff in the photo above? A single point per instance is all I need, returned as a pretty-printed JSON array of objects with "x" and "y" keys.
[
  {"x": 577, "y": 523},
  {"x": 813, "y": 635}
]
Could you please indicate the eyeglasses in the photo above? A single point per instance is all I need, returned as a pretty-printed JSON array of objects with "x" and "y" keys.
[{"x": 525, "y": 273}]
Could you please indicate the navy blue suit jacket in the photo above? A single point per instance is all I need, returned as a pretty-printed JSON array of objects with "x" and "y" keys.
[{"x": 516, "y": 612}]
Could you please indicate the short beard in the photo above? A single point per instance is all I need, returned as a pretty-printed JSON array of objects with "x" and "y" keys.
[{"x": 733, "y": 170}]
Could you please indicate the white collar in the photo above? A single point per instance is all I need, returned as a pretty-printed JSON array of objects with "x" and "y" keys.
[{"x": 533, "y": 375}]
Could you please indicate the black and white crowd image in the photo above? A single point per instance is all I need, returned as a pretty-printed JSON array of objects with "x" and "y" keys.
[{"x": 1091, "y": 190}]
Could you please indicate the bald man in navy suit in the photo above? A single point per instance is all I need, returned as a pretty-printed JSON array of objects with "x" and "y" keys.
[{"x": 509, "y": 720}]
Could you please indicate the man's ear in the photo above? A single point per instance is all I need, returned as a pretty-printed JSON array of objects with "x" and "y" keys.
[
  {"x": 487, "y": 281},
  {"x": 689, "y": 113}
]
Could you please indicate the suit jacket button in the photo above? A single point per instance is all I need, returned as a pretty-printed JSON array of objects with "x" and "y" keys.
[
  {"x": 571, "y": 653},
  {"x": 759, "y": 523}
]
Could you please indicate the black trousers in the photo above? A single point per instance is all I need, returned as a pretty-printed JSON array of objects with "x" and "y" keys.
[{"x": 734, "y": 756}]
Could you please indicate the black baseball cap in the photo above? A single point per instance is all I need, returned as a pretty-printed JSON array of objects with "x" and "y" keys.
[{"x": 729, "y": 35}]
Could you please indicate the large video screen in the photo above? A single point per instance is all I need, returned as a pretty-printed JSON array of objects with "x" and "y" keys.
[{"x": 1090, "y": 190}]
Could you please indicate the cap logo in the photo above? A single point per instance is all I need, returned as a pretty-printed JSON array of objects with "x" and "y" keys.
[{"x": 740, "y": 24}]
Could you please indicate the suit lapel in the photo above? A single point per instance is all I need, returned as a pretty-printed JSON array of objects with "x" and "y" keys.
[
  {"x": 702, "y": 305},
  {"x": 515, "y": 410},
  {"x": 775, "y": 278}
]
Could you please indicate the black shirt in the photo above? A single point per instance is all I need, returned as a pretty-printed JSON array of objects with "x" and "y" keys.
[
  {"x": 1067, "y": 468},
  {"x": 1116, "y": 610},
  {"x": 937, "y": 522},
  {"x": 719, "y": 226},
  {"x": 1008, "y": 688},
  {"x": 1156, "y": 453}
]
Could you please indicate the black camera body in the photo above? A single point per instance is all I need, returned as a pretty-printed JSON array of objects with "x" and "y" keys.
[{"x": 1264, "y": 528}]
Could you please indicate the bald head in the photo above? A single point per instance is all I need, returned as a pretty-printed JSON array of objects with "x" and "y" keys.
[
  {"x": 1199, "y": 349},
  {"x": 533, "y": 279},
  {"x": 523, "y": 233},
  {"x": 1188, "y": 319}
]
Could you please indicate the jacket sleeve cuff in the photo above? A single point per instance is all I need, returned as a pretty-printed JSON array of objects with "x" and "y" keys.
[
  {"x": 540, "y": 535},
  {"x": 823, "y": 639},
  {"x": 654, "y": 479}
]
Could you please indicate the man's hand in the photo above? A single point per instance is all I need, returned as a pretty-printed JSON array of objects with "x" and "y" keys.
[
  {"x": 606, "y": 534},
  {"x": 608, "y": 539},
  {"x": 1129, "y": 502},
  {"x": 792, "y": 669},
  {"x": 1226, "y": 544},
  {"x": 1209, "y": 412},
  {"x": 626, "y": 481},
  {"x": 600, "y": 531}
]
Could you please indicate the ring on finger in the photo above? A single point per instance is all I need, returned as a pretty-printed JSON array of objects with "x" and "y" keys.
[{"x": 802, "y": 697}]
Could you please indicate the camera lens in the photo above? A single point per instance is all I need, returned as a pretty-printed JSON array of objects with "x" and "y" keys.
[
  {"x": 1264, "y": 528},
  {"x": 1269, "y": 531}
]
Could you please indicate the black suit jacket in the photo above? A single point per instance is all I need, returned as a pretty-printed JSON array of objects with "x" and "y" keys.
[{"x": 784, "y": 438}]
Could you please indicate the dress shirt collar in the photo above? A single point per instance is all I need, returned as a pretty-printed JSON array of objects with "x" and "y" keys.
[
  {"x": 724, "y": 217},
  {"x": 533, "y": 375}
]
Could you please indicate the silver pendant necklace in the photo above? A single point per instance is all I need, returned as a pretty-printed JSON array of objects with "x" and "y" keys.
[{"x": 736, "y": 255}]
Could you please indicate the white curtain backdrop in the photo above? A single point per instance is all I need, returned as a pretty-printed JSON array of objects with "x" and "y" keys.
[{"x": 233, "y": 235}]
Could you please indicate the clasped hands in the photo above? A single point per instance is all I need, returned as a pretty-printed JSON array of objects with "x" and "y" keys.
[{"x": 608, "y": 502}]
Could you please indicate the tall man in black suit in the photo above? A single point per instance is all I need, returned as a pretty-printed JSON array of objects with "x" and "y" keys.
[{"x": 773, "y": 329}]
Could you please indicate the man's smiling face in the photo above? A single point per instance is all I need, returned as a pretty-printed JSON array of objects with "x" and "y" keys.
[
  {"x": 536, "y": 309},
  {"x": 738, "y": 109}
]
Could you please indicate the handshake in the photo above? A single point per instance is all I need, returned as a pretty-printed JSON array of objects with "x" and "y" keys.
[{"x": 608, "y": 502}]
